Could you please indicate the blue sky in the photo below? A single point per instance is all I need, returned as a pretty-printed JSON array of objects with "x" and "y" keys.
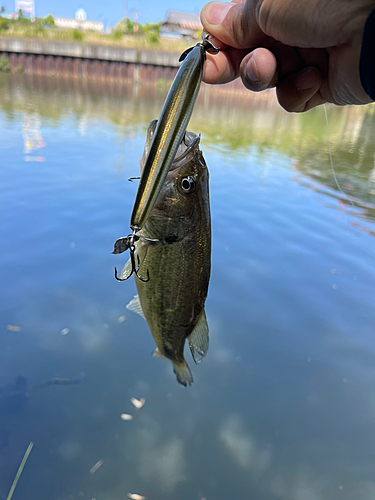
[{"x": 110, "y": 11}]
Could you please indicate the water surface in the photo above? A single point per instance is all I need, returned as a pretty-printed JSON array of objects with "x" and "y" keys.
[{"x": 283, "y": 407}]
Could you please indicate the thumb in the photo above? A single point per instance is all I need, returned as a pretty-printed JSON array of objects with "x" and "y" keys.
[{"x": 233, "y": 23}]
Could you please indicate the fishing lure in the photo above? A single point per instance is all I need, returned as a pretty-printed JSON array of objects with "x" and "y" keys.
[{"x": 168, "y": 135}]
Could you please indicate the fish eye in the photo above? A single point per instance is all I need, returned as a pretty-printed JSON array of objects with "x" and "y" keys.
[{"x": 187, "y": 184}]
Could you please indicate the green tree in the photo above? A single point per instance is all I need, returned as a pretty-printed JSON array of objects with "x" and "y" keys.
[
  {"x": 152, "y": 32},
  {"x": 48, "y": 21},
  {"x": 2, "y": 10},
  {"x": 21, "y": 18},
  {"x": 125, "y": 26}
]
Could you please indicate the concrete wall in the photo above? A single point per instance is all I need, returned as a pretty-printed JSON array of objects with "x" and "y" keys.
[
  {"x": 84, "y": 51},
  {"x": 95, "y": 62}
]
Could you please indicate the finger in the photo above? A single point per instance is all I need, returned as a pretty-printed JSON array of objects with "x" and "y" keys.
[
  {"x": 300, "y": 91},
  {"x": 315, "y": 57},
  {"x": 224, "y": 66},
  {"x": 233, "y": 23},
  {"x": 258, "y": 70},
  {"x": 288, "y": 59}
]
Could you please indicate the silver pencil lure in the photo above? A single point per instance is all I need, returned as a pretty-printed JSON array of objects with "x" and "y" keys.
[{"x": 169, "y": 132}]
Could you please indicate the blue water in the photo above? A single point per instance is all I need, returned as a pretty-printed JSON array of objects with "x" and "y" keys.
[{"x": 283, "y": 406}]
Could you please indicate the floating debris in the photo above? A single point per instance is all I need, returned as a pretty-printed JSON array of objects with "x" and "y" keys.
[
  {"x": 65, "y": 331},
  {"x": 126, "y": 416},
  {"x": 121, "y": 319},
  {"x": 62, "y": 381},
  {"x": 14, "y": 328},
  {"x": 138, "y": 403},
  {"x": 20, "y": 469},
  {"x": 134, "y": 496},
  {"x": 335, "y": 271},
  {"x": 98, "y": 464}
]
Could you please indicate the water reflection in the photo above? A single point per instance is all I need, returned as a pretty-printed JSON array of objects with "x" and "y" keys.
[
  {"x": 283, "y": 406},
  {"x": 227, "y": 121}
]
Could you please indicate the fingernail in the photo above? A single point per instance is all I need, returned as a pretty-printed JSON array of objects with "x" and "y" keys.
[
  {"x": 216, "y": 12},
  {"x": 252, "y": 71},
  {"x": 306, "y": 80}
]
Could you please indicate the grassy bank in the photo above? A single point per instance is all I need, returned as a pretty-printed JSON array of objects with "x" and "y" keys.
[{"x": 10, "y": 28}]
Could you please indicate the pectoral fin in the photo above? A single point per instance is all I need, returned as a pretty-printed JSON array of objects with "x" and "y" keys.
[
  {"x": 198, "y": 339},
  {"x": 135, "y": 306},
  {"x": 141, "y": 248}
]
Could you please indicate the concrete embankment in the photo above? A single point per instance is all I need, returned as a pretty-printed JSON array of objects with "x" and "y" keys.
[
  {"x": 79, "y": 59},
  {"x": 94, "y": 62}
]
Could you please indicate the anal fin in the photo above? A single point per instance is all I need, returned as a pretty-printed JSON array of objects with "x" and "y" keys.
[{"x": 198, "y": 339}]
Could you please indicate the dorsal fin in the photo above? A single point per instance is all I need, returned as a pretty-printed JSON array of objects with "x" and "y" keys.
[
  {"x": 198, "y": 339},
  {"x": 135, "y": 306}
]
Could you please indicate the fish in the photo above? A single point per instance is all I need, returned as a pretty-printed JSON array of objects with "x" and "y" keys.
[
  {"x": 61, "y": 381},
  {"x": 173, "y": 300}
]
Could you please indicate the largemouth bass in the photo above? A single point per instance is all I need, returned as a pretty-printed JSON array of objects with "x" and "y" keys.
[{"x": 172, "y": 301}]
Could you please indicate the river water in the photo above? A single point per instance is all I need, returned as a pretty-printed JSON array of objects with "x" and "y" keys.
[{"x": 283, "y": 406}]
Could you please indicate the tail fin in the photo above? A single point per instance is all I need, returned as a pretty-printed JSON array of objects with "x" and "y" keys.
[{"x": 183, "y": 373}]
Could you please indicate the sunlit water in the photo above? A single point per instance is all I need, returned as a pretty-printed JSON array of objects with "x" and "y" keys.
[{"x": 283, "y": 406}]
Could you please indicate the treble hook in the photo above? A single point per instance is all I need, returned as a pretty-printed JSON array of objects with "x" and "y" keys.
[
  {"x": 135, "y": 269},
  {"x": 123, "y": 244}
]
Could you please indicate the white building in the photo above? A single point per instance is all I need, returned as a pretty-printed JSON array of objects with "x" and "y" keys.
[
  {"x": 79, "y": 22},
  {"x": 180, "y": 24},
  {"x": 27, "y": 7}
]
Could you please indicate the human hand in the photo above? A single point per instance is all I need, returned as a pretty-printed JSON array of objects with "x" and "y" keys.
[{"x": 309, "y": 50}]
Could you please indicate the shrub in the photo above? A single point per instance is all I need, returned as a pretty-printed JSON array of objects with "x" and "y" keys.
[
  {"x": 117, "y": 35},
  {"x": 153, "y": 38},
  {"x": 78, "y": 35},
  {"x": 4, "y": 64},
  {"x": 152, "y": 32},
  {"x": 4, "y": 24}
]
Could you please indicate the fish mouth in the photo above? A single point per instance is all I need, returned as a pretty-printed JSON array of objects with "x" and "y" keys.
[{"x": 189, "y": 143}]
